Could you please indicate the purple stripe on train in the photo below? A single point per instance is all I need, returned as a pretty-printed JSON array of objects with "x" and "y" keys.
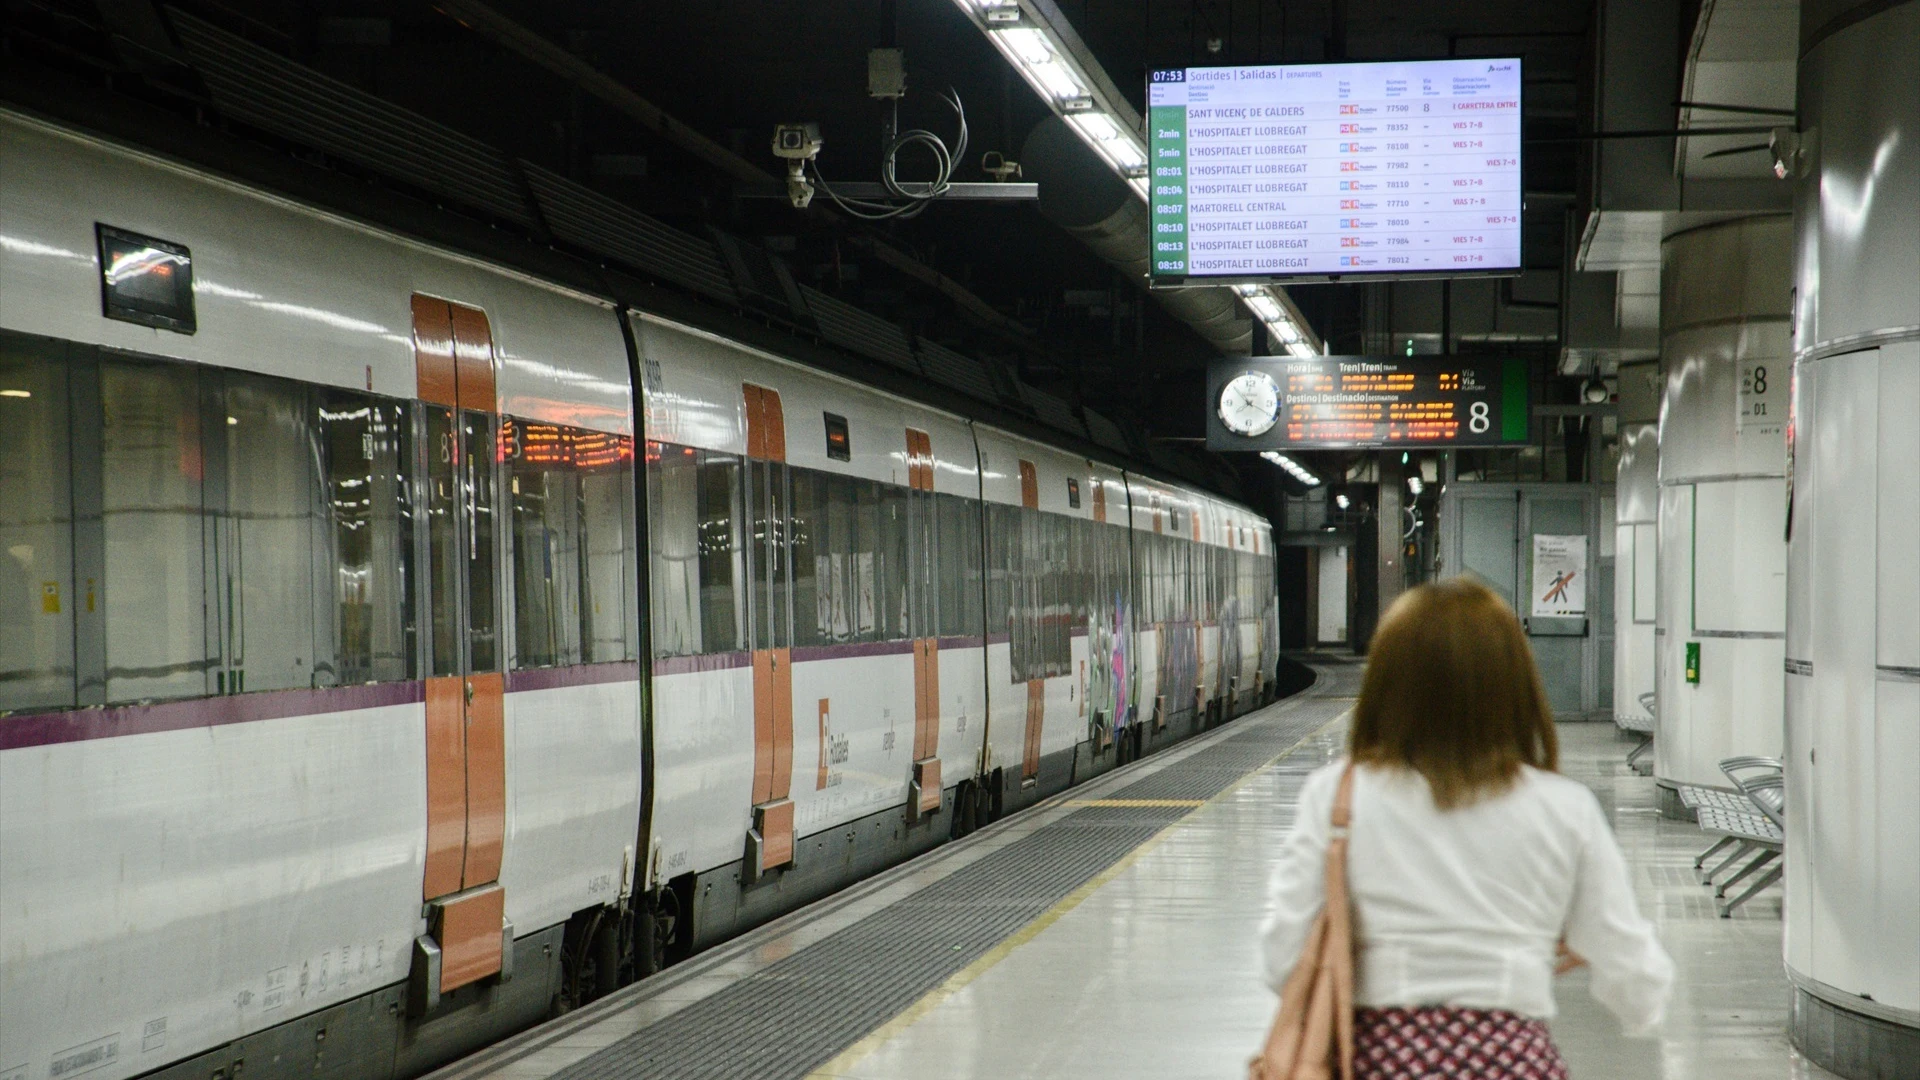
[{"x": 80, "y": 725}]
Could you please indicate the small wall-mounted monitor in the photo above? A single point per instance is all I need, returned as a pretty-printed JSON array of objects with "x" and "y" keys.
[
  {"x": 1335, "y": 171},
  {"x": 145, "y": 281}
]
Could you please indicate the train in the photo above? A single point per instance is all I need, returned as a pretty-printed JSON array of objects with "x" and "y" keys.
[{"x": 397, "y": 646}]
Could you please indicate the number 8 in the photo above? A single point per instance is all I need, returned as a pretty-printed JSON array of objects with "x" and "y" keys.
[{"x": 1478, "y": 419}]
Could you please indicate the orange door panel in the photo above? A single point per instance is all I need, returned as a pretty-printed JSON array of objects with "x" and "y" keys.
[
  {"x": 486, "y": 778},
  {"x": 1029, "y": 486},
  {"x": 927, "y": 694},
  {"x": 1036, "y": 713},
  {"x": 763, "y": 694},
  {"x": 781, "y": 722},
  {"x": 473, "y": 358},
  {"x": 766, "y": 423},
  {"x": 433, "y": 351},
  {"x": 469, "y": 932},
  {"x": 446, "y": 787},
  {"x": 775, "y": 822}
]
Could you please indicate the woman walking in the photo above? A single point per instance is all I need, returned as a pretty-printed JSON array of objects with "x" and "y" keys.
[{"x": 1475, "y": 871}]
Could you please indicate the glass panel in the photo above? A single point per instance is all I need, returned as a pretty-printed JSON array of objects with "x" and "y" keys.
[
  {"x": 37, "y": 600},
  {"x": 773, "y": 627},
  {"x": 549, "y": 552},
  {"x": 894, "y": 569},
  {"x": 812, "y": 602},
  {"x": 266, "y": 549},
  {"x": 364, "y": 444},
  {"x": 1003, "y": 554},
  {"x": 863, "y": 568},
  {"x": 923, "y": 573},
  {"x": 693, "y": 527},
  {"x": 673, "y": 534},
  {"x": 483, "y": 543},
  {"x": 605, "y": 468},
  {"x": 443, "y": 547},
  {"x": 155, "y": 588},
  {"x": 722, "y": 613}
]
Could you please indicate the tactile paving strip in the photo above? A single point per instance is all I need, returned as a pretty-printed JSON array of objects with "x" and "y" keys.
[{"x": 796, "y": 1014}]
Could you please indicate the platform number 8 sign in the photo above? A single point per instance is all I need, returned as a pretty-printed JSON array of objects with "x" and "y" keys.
[{"x": 1759, "y": 399}]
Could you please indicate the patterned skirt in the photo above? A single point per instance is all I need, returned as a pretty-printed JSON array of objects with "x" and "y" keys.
[{"x": 1441, "y": 1043}]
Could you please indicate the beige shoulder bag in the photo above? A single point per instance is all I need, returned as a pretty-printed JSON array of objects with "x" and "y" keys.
[{"x": 1313, "y": 1033}]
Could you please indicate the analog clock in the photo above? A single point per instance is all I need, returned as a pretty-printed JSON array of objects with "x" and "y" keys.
[{"x": 1250, "y": 403}]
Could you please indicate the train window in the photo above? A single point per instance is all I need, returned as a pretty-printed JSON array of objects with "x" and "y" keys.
[
  {"x": 891, "y": 576},
  {"x": 771, "y": 606},
  {"x": 693, "y": 525},
  {"x": 152, "y": 478},
  {"x": 37, "y": 597},
  {"x": 263, "y": 538},
  {"x": 569, "y": 543},
  {"x": 1002, "y": 553},
  {"x": 367, "y": 448},
  {"x": 806, "y": 517},
  {"x": 839, "y": 442},
  {"x": 483, "y": 541},
  {"x": 957, "y": 556},
  {"x": 145, "y": 281},
  {"x": 442, "y": 508}
]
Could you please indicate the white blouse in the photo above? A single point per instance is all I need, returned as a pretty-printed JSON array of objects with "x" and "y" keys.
[{"x": 1465, "y": 907}]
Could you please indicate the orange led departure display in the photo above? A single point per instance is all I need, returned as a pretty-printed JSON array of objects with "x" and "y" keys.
[{"x": 1346, "y": 401}]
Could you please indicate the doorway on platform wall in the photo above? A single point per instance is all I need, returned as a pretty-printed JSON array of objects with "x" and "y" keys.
[{"x": 1546, "y": 551}]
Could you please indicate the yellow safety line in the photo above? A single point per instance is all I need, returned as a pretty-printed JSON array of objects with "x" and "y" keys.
[
  {"x": 859, "y": 1051},
  {"x": 1136, "y": 802}
]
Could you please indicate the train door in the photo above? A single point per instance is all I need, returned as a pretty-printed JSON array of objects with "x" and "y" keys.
[
  {"x": 465, "y": 685},
  {"x": 1031, "y": 612},
  {"x": 923, "y": 614},
  {"x": 770, "y": 633}
]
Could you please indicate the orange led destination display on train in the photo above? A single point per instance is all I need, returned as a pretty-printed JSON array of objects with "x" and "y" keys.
[{"x": 1345, "y": 401}]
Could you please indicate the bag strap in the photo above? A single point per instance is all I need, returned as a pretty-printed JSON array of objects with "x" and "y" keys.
[{"x": 1343, "y": 801}]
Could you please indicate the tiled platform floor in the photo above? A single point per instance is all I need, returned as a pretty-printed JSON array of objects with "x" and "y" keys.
[{"x": 1154, "y": 974}]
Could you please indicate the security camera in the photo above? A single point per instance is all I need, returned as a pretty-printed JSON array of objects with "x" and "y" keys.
[{"x": 797, "y": 142}]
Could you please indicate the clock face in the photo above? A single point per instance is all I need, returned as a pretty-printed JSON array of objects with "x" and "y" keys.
[{"x": 1250, "y": 403}]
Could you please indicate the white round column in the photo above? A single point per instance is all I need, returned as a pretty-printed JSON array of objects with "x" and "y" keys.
[
  {"x": 1721, "y": 607},
  {"x": 1853, "y": 570},
  {"x": 1636, "y": 490}
]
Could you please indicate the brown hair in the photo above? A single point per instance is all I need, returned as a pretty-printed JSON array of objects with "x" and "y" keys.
[{"x": 1451, "y": 692}]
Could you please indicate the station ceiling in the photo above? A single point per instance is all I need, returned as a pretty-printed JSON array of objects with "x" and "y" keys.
[{"x": 988, "y": 278}]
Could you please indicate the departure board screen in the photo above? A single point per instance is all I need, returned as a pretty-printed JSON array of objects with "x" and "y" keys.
[
  {"x": 1329, "y": 171},
  {"x": 1386, "y": 401}
]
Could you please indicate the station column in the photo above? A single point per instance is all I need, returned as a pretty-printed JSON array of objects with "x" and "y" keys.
[
  {"x": 1721, "y": 599},
  {"x": 1853, "y": 570},
  {"x": 1636, "y": 516}
]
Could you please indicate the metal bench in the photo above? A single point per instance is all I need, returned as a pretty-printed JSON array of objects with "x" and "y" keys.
[
  {"x": 1754, "y": 833},
  {"x": 1751, "y": 819},
  {"x": 1643, "y": 726},
  {"x": 1694, "y": 798}
]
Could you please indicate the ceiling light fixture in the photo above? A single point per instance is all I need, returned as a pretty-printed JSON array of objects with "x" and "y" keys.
[
  {"x": 1293, "y": 468},
  {"x": 1036, "y": 39}
]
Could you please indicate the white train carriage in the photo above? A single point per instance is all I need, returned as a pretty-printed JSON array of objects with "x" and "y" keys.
[
  {"x": 369, "y": 684},
  {"x": 816, "y": 622},
  {"x": 312, "y": 620}
]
